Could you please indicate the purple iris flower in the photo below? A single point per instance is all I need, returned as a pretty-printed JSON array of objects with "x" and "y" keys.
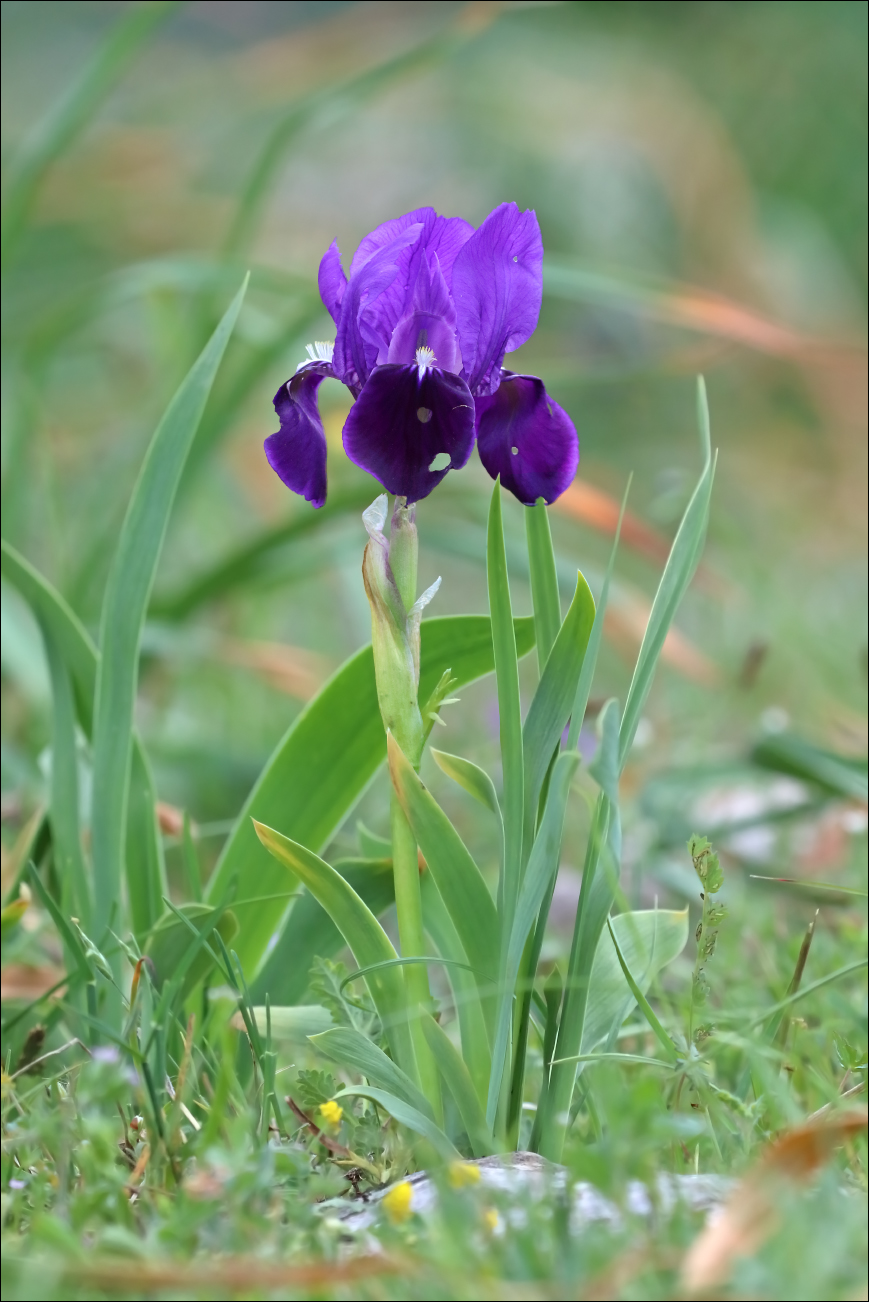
[{"x": 423, "y": 322}]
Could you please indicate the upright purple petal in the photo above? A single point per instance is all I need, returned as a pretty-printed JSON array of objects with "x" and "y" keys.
[
  {"x": 357, "y": 344},
  {"x": 332, "y": 282},
  {"x": 404, "y": 418},
  {"x": 297, "y": 453},
  {"x": 440, "y": 238},
  {"x": 430, "y": 323},
  {"x": 527, "y": 439},
  {"x": 497, "y": 287}
]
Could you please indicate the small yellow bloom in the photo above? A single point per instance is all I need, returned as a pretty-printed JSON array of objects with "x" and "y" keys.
[
  {"x": 463, "y": 1174},
  {"x": 397, "y": 1202},
  {"x": 331, "y": 1112},
  {"x": 491, "y": 1219}
]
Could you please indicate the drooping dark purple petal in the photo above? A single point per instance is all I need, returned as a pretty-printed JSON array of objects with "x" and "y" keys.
[
  {"x": 297, "y": 453},
  {"x": 440, "y": 238},
  {"x": 430, "y": 323},
  {"x": 356, "y": 349},
  {"x": 497, "y": 289},
  {"x": 332, "y": 282},
  {"x": 527, "y": 439},
  {"x": 405, "y": 417}
]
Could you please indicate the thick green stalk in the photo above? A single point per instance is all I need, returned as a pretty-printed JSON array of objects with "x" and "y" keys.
[
  {"x": 408, "y": 907},
  {"x": 389, "y": 570}
]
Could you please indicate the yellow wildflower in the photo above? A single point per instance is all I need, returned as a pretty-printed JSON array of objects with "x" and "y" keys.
[
  {"x": 331, "y": 1113},
  {"x": 397, "y": 1202},
  {"x": 463, "y": 1174},
  {"x": 491, "y": 1219}
]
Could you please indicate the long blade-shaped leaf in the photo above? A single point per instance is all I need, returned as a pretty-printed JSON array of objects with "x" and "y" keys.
[
  {"x": 368, "y": 941},
  {"x": 126, "y": 599},
  {"x": 459, "y": 880},
  {"x": 324, "y": 763},
  {"x": 507, "y": 675},
  {"x": 469, "y": 1007},
  {"x": 553, "y": 701},
  {"x": 678, "y": 572},
  {"x": 311, "y": 933},
  {"x": 542, "y": 867},
  {"x": 350, "y": 1048},
  {"x": 544, "y": 580},
  {"x": 67, "y": 638},
  {"x": 70, "y": 636},
  {"x": 66, "y": 834},
  {"x": 458, "y": 1081},
  {"x": 589, "y": 664},
  {"x": 649, "y": 940}
]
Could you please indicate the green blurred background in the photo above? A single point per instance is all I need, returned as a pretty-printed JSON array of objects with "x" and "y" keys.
[{"x": 699, "y": 172}]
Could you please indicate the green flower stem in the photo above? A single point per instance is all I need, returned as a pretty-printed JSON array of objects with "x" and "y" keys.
[{"x": 408, "y": 907}]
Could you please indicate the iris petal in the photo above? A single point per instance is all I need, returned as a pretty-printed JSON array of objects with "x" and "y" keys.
[
  {"x": 527, "y": 439},
  {"x": 439, "y": 240},
  {"x": 331, "y": 281},
  {"x": 357, "y": 345},
  {"x": 297, "y": 453},
  {"x": 497, "y": 287},
  {"x": 402, "y": 420}
]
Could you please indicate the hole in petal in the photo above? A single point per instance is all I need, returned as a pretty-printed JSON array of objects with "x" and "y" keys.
[
  {"x": 515, "y": 257},
  {"x": 515, "y": 451},
  {"x": 442, "y": 460},
  {"x": 423, "y": 414}
]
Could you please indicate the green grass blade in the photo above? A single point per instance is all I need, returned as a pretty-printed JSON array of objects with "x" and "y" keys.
[
  {"x": 842, "y": 775},
  {"x": 507, "y": 675},
  {"x": 70, "y": 937},
  {"x": 589, "y": 664},
  {"x": 553, "y": 701},
  {"x": 405, "y": 1115},
  {"x": 126, "y": 599},
  {"x": 642, "y": 1002},
  {"x": 458, "y": 1081},
  {"x": 544, "y": 580},
  {"x": 469, "y": 1008},
  {"x": 368, "y": 941},
  {"x": 350, "y": 1048},
  {"x": 639, "y": 1058},
  {"x": 542, "y": 866},
  {"x": 64, "y": 809},
  {"x": 324, "y": 763},
  {"x": 145, "y": 866},
  {"x": 72, "y": 112},
  {"x": 311, "y": 933},
  {"x": 595, "y": 902},
  {"x": 459, "y": 880},
  {"x": 682, "y": 562},
  {"x": 649, "y": 939},
  {"x": 57, "y": 617}
]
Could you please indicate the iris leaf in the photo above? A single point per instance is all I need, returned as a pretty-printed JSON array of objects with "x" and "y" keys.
[
  {"x": 507, "y": 675},
  {"x": 350, "y": 1048},
  {"x": 368, "y": 941},
  {"x": 324, "y": 763},
  {"x": 458, "y": 1081},
  {"x": 124, "y": 605}
]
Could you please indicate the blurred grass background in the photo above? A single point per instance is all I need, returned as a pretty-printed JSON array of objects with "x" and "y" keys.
[{"x": 699, "y": 172}]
